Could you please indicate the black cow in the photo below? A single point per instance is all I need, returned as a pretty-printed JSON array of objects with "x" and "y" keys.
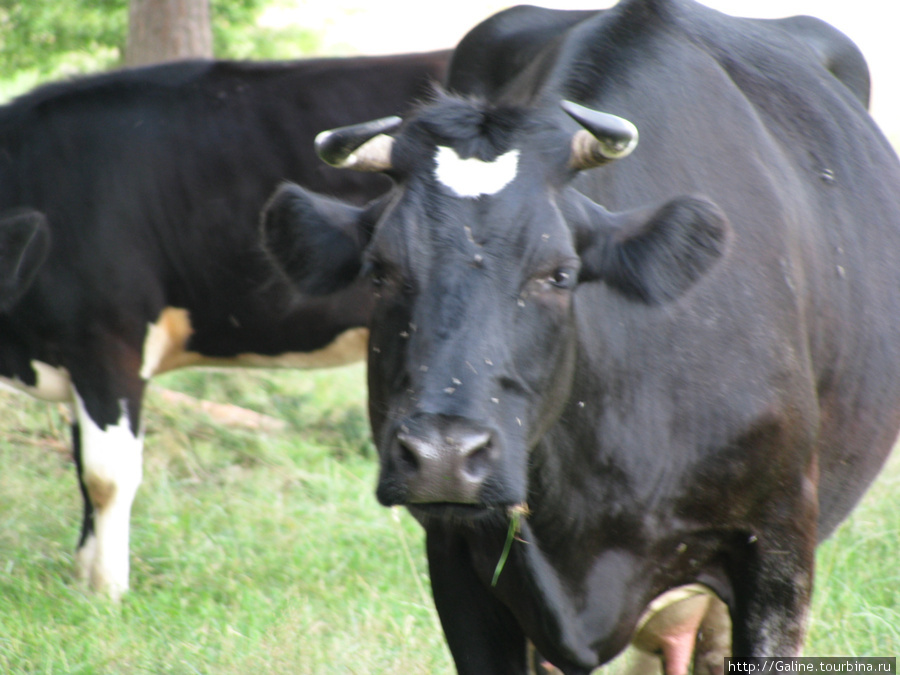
[
  {"x": 143, "y": 188},
  {"x": 593, "y": 388}
]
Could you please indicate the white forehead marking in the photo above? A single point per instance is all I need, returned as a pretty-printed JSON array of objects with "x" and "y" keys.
[{"x": 473, "y": 177}]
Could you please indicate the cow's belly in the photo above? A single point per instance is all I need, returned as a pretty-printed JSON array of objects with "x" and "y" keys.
[
  {"x": 165, "y": 349},
  {"x": 53, "y": 384},
  {"x": 348, "y": 347}
]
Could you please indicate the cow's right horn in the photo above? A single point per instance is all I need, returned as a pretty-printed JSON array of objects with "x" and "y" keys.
[
  {"x": 361, "y": 147},
  {"x": 603, "y": 139}
]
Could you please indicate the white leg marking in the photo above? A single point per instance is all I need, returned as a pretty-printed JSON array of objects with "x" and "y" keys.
[
  {"x": 84, "y": 558},
  {"x": 472, "y": 177},
  {"x": 111, "y": 464}
]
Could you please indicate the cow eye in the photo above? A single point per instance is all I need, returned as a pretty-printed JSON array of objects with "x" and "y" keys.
[
  {"x": 385, "y": 278},
  {"x": 563, "y": 277},
  {"x": 375, "y": 273}
]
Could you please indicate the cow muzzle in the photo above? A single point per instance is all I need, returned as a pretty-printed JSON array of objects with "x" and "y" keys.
[{"x": 433, "y": 459}]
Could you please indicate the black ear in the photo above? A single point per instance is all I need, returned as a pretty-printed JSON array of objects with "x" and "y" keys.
[
  {"x": 24, "y": 244},
  {"x": 655, "y": 255},
  {"x": 315, "y": 241}
]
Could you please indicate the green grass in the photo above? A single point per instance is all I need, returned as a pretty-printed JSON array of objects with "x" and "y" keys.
[
  {"x": 266, "y": 552},
  {"x": 251, "y": 552},
  {"x": 856, "y": 606}
]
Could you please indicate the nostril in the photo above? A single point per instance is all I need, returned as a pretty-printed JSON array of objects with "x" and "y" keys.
[
  {"x": 408, "y": 459},
  {"x": 476, "y": 450},
  {"x": 467, "y": 453},
  {"x": 478, "y": 462},
  {"x": 436, "y": 459}
]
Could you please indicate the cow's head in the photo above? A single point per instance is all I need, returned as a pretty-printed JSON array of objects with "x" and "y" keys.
[{"x": 474, "y": 258}]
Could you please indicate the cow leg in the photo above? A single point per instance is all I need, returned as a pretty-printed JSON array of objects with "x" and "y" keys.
[
  {"x": 108, "y": 459},
  {"x": 771, "y": 619},
  {"x": 483, "y": 636},
  {"x": 86, "y": 542},
  {"x": 773, "y": 588}
]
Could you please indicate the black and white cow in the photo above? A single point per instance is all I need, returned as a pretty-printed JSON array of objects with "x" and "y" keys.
[
  {"x": 601, "y": 371},
  {"x": 139, "y": 191}
]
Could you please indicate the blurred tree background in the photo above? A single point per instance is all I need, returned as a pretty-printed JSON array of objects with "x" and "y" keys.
[
  {"x": 168, "y": 30},
  {"x": 42, "y": 40}
]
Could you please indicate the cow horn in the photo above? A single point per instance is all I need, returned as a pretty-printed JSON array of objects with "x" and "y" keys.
[
  {"x": 604, "y": 138},
  {"x": 361, "y": 147}
]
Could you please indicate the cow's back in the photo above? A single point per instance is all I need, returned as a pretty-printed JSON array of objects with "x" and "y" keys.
[{"x": 159, "y": 174}]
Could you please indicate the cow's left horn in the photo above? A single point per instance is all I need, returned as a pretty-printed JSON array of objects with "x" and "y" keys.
[
  {"x": 361, "y": 147},
  {"x": 604, "y": 138}
]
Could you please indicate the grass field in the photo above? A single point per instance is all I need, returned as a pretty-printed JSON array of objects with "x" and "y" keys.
[{"x": 265, "y": 551}]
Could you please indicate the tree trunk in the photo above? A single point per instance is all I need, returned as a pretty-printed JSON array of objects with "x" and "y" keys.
[{"x": 167, "y": 30}]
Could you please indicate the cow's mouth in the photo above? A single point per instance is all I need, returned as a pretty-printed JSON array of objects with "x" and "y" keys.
[{"x": 458, "y": 513}]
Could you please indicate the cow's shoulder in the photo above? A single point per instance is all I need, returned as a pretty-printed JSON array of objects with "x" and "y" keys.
[
  {"x": 761, "y": 54},
  {"x": 57, "y": 96},
  {"x": 494, "y": 51},
  {"x": 767, "y": 63},
  {"x": 836, "y": 52}
]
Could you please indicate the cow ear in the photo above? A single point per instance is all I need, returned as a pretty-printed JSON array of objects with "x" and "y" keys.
[
  {"x": 24, "y": 244},
  {"x": 315, "y": 241},
  {"x": 651, "y": 255}
]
